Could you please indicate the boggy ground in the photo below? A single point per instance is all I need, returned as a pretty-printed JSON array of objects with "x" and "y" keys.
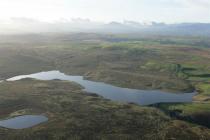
[
  {"x": 74, "y": 114},
  {"x": 175, "y": 64}
]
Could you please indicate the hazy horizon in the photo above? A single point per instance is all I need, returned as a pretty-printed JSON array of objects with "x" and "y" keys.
[
  {"x": 118, "y": 16},
  {"x": 167, "y": 11}
]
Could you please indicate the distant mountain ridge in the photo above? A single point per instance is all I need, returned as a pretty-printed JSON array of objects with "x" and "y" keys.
[
  {"x": 160, "y": 28},
  {"x": 24, "y": 25}
]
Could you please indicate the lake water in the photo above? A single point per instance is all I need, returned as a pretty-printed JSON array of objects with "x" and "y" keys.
[
  {"x": 142, "y": 97},
  {"x": 22, "y": 122}
]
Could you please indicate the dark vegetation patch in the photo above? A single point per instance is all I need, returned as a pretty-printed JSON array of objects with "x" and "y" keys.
[{"x": 193, "y": 113}]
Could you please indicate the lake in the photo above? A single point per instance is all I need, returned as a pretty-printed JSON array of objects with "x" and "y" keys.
[
  {"x": 22, "y": 122},
  {"x": 141, "y": 97}
]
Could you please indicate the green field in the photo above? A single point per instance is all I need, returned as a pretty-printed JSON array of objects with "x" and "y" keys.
[{"x": 173, "y": 63}]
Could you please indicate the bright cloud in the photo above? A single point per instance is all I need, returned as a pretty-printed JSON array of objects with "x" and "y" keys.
[{"x": 108, "y": 10}]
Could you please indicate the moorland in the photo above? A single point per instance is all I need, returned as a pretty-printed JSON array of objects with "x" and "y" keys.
[{"x": 175, "y": 64}]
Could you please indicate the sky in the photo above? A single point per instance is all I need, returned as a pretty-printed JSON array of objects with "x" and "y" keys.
[{"x": 168, "y": 11}]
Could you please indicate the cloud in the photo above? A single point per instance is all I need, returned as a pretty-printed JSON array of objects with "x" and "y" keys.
[
  {"x": 186, "y": 3},
  {"x": 24, "y": 20},
  {"x": 196, "y": 3},
  {"x": 169, "y": 11}
]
